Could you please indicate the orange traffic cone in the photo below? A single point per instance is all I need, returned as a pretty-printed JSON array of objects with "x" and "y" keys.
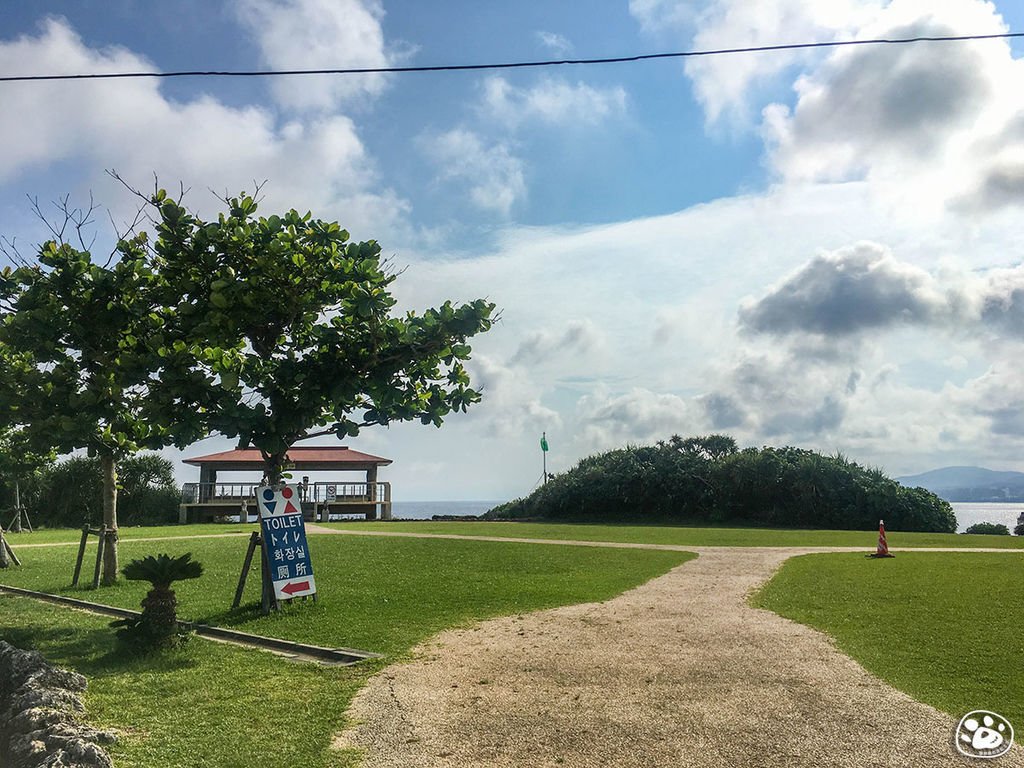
[{"x": 883, "y": 547}]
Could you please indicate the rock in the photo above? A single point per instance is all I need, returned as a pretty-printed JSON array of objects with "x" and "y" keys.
[{"x": 40, "y": 716}]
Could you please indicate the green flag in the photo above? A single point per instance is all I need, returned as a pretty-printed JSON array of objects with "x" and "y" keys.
[{"x": 543, "y": 442}]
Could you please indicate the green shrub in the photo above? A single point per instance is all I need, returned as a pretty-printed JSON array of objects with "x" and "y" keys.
[
  {"x": 993, "y": 529},
  {"x": 707, "y": 480}
]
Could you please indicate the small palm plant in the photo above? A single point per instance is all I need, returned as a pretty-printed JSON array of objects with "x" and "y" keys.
[{"x": 157, "y": 627}]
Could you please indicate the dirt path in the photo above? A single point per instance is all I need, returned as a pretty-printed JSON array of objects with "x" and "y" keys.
[{"x": 678, "y": 672}]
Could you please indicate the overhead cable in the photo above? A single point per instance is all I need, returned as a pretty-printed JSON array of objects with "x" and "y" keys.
[{"x": 511, "y": 65}]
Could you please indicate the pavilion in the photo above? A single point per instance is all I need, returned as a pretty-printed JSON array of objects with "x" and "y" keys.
[{"x": 209, "y": 498}]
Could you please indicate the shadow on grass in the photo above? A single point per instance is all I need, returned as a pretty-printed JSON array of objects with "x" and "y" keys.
[
  {"x": 92, "y": 652},
  {"x": 232, "y": 616},
  {"x": 253, "y": 611}
]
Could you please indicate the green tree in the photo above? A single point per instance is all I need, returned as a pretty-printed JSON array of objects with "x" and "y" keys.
[
  {"x": 711, "y": 447},
  {"x": 81, "y": 342},
  {"x": 284, "y": 331},
  {"x": 70, "y": 492}
]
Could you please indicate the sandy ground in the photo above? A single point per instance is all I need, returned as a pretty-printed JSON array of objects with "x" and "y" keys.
[{"x": 678, "y": 672}]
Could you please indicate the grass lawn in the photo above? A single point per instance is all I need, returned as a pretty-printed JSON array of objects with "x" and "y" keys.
[
  {"x": 943, "y": 627},
  {"x": 690, "y": 536},
  {"x": 74, "y": 535},
  {"x": 206, "y": 705},
  {"x": 209, "y": 704}
]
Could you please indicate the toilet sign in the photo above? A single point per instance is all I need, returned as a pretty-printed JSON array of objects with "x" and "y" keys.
[{"x": 284, "y": 541}]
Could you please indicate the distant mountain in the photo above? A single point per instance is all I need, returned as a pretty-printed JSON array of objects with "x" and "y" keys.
[{"x": 970, "y": 484}]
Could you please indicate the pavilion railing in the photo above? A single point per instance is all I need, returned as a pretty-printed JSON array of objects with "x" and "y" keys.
[
  {"x": 318, "y": 493},
  {"x": 218, "y": 493}
]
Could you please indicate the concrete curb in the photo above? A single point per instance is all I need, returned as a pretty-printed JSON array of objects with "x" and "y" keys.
[{"x": 299, "y": 651}]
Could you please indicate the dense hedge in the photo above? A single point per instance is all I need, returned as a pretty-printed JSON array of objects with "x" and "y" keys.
[
  {"x": 706, "y": 479},
  {"x": 992, "y": 529},
  {"x": 70, "y": 493}
]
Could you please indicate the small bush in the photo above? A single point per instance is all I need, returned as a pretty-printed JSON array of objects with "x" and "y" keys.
[
  {"x": 1019, "y": 530},
  {"x": 157, "y": 627},
  {"x": 994, "y": 529}
]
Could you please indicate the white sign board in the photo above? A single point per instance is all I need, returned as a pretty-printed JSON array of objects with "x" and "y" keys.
[{"x": 284, "y": 541}]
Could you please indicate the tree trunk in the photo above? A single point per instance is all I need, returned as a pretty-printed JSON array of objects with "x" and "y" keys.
[
  {"x": 275, "y": 467},
  {"x": 160, "y": 610},
  {"x": 4, "y": 560},
  {"x": 109, "y": 464}
]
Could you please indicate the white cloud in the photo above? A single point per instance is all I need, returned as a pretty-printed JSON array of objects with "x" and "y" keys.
[
  {"x": 494, "y": 175},
  {"x": 41, "y": 139},
  {"x": 1000, "y": 301},
  {"x": 578, "y": 337},
  {"x": 998, "y": 396},
  {"x": 726, "y": 84},
  {"x": 320, "y": 34},
  {"x": 554, "y": 42},
  {"x": 486, "y": 161},
  {"x": 664, "y": 293},
  {"x": 512, "y": 400},
  {"x": 660, "y": 16},
  {"x": 131, "y": 126},
  {"x": 938, "y": 123},
  {"x": 864, "y": 289},
  {"x": 854, "y": 289},
  {"x": 552, "y": 101},
  {"x": 609, "y": 421}
]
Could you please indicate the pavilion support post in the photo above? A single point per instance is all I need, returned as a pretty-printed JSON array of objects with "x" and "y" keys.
[
  {"x": 371, "y": 492},
  {"x": 207, "y": 478},
  {"x": 385, "y": 507}
]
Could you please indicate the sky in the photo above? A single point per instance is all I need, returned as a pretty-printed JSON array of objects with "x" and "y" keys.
[{"x": 819, "y": 248}]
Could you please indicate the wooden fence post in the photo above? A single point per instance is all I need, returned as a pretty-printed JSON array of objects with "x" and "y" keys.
[
  {"x": 81, "y": 555},
  {"x": 99, "y": 559}
]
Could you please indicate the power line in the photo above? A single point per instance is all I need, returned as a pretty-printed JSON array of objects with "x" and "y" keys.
[{"x": 511, "y": 65}]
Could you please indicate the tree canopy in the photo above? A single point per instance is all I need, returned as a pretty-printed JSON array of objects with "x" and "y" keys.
[
  {"x": 80, "y": 342},
  {"x": 283, "y": 330}
]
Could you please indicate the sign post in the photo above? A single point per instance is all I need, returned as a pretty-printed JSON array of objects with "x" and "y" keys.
[{"x": 286, "y": 562}]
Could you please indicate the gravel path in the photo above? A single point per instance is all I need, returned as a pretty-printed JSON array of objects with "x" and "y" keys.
[{"x": 678, "y": 672}]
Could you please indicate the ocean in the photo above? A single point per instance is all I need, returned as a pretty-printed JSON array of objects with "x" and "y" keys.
[
  {"x": 424, "y": 510},
  {"x": 969, "y": 513}
]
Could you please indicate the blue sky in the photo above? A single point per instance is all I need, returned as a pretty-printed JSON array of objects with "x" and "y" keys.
[{"x": 820, "y": 249}]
